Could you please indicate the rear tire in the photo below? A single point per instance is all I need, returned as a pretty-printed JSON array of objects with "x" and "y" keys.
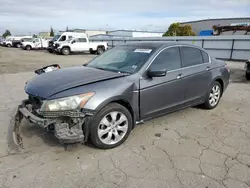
[
  {"x": 65, "y": 51},
  {"x": 213, "y": 96},
  {"x": 247, "y": 76},
  {"x": 100, "y": 50},
  {"x": 8, "y": 45},
  {"x": 108, "y": 131}
]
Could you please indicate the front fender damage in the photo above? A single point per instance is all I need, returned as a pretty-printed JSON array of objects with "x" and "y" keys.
[{"x": 68, "y": 126}]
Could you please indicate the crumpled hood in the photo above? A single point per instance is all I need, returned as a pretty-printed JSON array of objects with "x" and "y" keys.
[{"x": 48, "y": 84}]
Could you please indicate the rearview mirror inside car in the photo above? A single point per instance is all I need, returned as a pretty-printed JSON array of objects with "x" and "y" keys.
[{"x": 156, "y": 73}]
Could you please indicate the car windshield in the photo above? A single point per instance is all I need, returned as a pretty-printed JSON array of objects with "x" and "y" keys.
[
  {"x": 124, "y": 59},
  {"x": 56, "y": 37}
]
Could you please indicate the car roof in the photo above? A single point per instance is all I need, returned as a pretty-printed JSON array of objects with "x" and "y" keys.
[{"x": 157, "y": 44}]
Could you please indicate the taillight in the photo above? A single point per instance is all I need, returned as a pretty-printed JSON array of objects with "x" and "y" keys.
[{"x": 226, "y": 66}]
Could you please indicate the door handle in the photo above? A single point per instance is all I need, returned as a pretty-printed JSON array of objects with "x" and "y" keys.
[
  {"x": 179, "y": 76},
  {"x": 208, "y": 68}
]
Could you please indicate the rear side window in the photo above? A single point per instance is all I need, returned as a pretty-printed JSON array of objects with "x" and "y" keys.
[
  {"x": 191, "y": 56},
  {"x": 205, "y": 57},
  {"x": 168, "y": 59},
  {"x": 82, "y": 40}
]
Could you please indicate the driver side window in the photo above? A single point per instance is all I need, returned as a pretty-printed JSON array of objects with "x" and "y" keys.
[
  {"x": 168, "y": 59},
  {"x": 63, "y": 38}
]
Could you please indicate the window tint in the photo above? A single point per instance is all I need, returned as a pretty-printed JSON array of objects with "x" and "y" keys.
[
  {"x": 205, "y": 57},
  {"x": 168, "y": 59},
  {"x": 63, "y": 38},
  {"x": 191, "y": 56},
  {"x": 82, "y": 40}
]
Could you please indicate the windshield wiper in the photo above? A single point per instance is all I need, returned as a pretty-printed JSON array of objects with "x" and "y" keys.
[{"x": 111, "y": 70}]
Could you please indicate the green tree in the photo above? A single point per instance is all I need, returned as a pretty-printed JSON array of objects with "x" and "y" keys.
[
  {"x": 175, "y": 29},
  {"x": 6, "y": 34},
  {"x": 34, "y": 36},
  {"x": 52, "y": 32}
]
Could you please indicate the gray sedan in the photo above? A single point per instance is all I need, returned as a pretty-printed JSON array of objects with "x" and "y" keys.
[{"x": 104, "y": 99}]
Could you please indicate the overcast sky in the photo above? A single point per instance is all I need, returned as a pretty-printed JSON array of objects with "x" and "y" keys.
[{"x": 24, "y": 16}]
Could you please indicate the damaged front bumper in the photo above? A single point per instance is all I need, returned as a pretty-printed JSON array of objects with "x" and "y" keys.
[{"x": 68, "y": 126}]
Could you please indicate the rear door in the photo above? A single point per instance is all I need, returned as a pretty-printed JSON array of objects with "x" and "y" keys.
[
  {"x": 162, "y": 94},
  {"x": 196, "y": 73},
  {"x": 79, "y": 45}
]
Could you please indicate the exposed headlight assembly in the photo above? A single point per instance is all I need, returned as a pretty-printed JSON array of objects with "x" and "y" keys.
[{"x": 67, "y": 103}]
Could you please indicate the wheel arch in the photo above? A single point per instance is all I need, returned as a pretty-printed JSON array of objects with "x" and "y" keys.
[
  {"x": 123, "y": 102},
  {"x": 28, "y": 45},
  {"x": 100, "y": 46},
  {"x": 220, "y": 80},
  {"x": 66, "y": 47}
]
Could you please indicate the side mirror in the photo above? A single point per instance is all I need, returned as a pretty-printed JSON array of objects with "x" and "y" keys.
[
  {"x": 156, "y": 73},
  {"x": 34, "y": 41},
  {"x": 72, "y": 42}
]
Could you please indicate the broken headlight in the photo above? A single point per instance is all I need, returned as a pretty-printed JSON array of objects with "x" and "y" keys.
[{"x": 67, "y": 103}]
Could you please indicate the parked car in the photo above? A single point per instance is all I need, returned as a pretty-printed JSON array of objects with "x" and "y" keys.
[
  {"x": 2, "y": 40},
  {"x": 58, "y": 39},
  {"x": 36, "y": 43},
  {"x": 247, "y": 68},
  {"x": 104, "y": 99},
  {"x": 8, "y": 42},
  {"x": 18, "y": 43},
  {"x": 81, "y": 44}
]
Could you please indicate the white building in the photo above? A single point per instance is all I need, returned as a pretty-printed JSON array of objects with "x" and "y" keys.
[{"x": 134, "y": 33}]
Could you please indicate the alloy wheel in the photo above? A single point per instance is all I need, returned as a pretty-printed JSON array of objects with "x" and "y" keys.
[
  {"x": 214, "y": 95},
  {"x": 112, "y": 128}
]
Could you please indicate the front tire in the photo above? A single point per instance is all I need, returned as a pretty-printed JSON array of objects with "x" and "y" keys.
[
  {"x": 247, "y": 76},
  {"x": 8, "y": 45},
  {"x": 65, "y": 51},
  {"x": 214, "y": 95},
  {"x": 111, "y": 126},
  {"x": 50, "y": 51},
  {"x": 28, "y": 48}
]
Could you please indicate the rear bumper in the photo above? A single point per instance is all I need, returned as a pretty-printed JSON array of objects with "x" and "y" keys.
[{"x": 67, "y": 126}]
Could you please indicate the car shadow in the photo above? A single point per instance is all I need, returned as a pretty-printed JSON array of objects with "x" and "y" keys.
[
  {"x": 35, "y": 137},
  {"x": 238, "y": 76}
]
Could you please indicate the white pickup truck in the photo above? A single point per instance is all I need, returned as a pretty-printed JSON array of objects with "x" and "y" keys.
[
  {"x": 36, "y": 43},
  {"x": 80, "y": 44}
]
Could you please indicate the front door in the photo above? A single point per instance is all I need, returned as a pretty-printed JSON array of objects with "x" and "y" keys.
[
  {"x": 37, "y": 43},
  {"x": 162, "y": 94}
]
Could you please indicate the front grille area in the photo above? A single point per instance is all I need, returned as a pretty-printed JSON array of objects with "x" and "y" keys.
[
  {"x": 73, "y": 114},
  {"x": 51, "y": 43}
]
